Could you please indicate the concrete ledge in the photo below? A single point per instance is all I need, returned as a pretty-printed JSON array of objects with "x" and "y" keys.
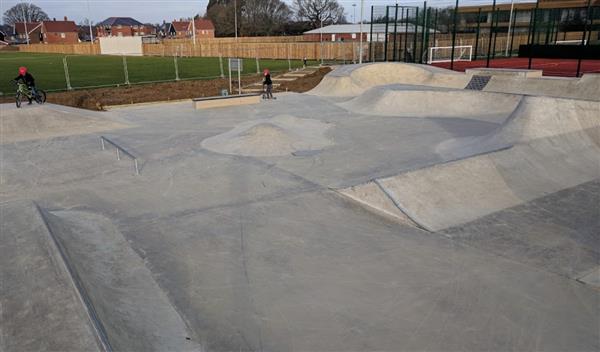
[
  {"x": 229, "y": 100},
  {"x": 504, "y": 72}
]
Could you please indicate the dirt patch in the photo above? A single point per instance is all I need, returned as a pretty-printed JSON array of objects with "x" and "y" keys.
[
  {"x": 306, "y": 83},
  {"x": 97, "y": 99}
]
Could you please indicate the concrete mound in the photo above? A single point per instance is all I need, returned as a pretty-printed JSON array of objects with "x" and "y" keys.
[
  {"x": 586, "y": 87},
  {"x": 355, "y": 79},
  {"x": 280, "y": 135},
  {"x": 48, "y": 121},
  {"x": 417, "y": 101},
  {"x": 549, "y": 145}
]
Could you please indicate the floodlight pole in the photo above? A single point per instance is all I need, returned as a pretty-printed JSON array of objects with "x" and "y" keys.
[
  {"x": 510, "y": 18},
  {"x": 360, "y": 50},
  {"x": 25, "y": 24},
  {"x": 90, "y": 23},
  {"x": 235, "y": 17},
  {"x": 194, "y": 30}
]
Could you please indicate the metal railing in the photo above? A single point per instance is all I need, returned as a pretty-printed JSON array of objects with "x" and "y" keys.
[{"x": 119, "y": 150}]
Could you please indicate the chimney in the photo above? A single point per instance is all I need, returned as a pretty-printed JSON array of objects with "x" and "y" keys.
[{"x": 66, "y": 18}]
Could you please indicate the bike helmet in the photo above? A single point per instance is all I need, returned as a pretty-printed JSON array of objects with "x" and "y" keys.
[
  {"x": 266, "y": 72},
  {"x": 22, "y": 70}
]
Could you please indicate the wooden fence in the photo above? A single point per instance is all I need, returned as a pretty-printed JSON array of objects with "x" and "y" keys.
[{"x": 344, "y": 51}]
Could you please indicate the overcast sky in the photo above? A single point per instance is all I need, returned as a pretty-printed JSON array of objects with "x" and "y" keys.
[{"x": 154, "y": 11}]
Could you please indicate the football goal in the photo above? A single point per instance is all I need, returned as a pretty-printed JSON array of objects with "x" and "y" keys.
[{"x": 444, "y": 53}]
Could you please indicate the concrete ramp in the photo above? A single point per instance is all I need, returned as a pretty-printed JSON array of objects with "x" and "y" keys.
[
  {"x": 355, "y": 79},
  {"x": 533, "y": 118},
  {"x": 419, "y": 101},
  {"x": 40, "y": 307},
  {"x": 136, "y": 314},
  {"x": 48, "y": 121},
  {"x": 586, "y": 87},
  {"x": 554, "y": 144}
]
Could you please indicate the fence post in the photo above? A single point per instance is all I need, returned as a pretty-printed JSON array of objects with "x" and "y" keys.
[
  {"x": 67, "y": 77},
  {"x": 257, "y": 65},
  {"x": 454, "y": 34},
  {"x": 425, "y": 29},
  {"x": 512, "y": 34},
  {"x": 176, "y": 68},
  {"x": 221, "y": 65},
  {"x": 406, "y": 33},
  {"x": 394, "y": 55},
  {"x": 385, "y": 43},
  {"x": 371, "y": 46},
  {"x": 288, "y": 57},
  {"x": 477, "y": 33},
  {"x": 534, "y": 18},
  {"x": 588, "y": 19},
  {"x": 416, "y": 25},
  {"x": 487, "y": 62},
  {"x": 125, "y": 71}
]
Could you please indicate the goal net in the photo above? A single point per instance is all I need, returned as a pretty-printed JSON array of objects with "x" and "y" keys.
[{"x": 444, "y": 53}]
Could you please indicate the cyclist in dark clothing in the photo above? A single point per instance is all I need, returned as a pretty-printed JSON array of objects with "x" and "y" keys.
[
  {"x": 268, "y": 85},
  {"x": 27, "y": 79}
]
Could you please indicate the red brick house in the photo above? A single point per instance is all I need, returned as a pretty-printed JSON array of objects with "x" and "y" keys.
[
  {"x": 47, "y": 32},
  {"x": 179, "y": 29},
  {"x": 31, "y": 31},
  {"x": 204, "y": 28},
  {"x": 60, "y": 32},
  {"x": 184, "y": 29},
  {"x": 123, "y": 27}
]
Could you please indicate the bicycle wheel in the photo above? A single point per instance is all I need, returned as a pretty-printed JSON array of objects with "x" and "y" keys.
[
  {"x": 18, "y": 99},
  {"x": 40, "y": 96}
]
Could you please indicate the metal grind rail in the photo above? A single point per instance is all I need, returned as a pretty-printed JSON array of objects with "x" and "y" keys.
[{"x": 119, "y": 149}]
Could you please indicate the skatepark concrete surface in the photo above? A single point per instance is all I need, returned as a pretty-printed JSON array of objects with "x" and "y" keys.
[{"x": 389, "y": 209}]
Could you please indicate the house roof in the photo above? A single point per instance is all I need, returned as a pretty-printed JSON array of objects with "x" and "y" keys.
[
  {"x": 202, "y": 23},
  {"x": 19, "y": 27},
  {"x": 119, "y": 21},
  {"x": 181, "y": 26},
  {"x": 60, "y": 26},
  {"x": 366, "y": 28}
]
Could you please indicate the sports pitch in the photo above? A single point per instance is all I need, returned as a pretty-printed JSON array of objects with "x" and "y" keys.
[{"x": 99, "y": 70}]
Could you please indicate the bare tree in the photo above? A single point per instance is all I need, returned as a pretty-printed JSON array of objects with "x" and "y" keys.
[
  {"x": 319, "y": 11},
  {"x": 265, "y": 17},
  {"x": 24, "y": 12}
]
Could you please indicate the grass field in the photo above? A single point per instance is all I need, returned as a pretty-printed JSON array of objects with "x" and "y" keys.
[{"x": 100, "y": 70}]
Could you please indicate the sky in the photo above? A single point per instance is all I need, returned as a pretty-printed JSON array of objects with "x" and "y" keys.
[{"x": 155, "y": 11}]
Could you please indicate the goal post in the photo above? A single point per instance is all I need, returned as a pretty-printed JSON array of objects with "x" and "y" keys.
[{"x": 444, "y": 53}]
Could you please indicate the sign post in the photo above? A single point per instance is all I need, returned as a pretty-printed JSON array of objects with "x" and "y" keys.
[{"x": 236, "y": 64}]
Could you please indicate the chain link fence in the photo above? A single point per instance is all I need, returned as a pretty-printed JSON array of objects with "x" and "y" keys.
[
  {"x": 55, "y": 72},
  {"x": 560, "y": 39}
]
